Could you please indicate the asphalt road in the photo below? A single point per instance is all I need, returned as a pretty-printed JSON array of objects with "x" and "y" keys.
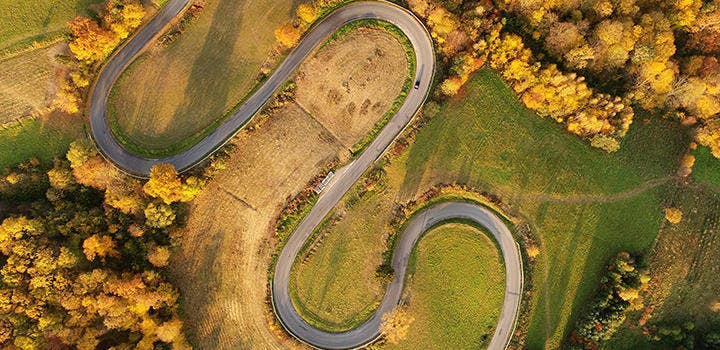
[{"x": 343, "y": 180}]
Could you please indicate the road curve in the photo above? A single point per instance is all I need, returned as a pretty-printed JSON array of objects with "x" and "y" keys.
[
  {"x": 425, "y": 66},
  {"x": 370, "y": 330}
]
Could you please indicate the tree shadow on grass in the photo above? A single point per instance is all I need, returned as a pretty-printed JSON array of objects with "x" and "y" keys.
[{"x": 217, "y": 51}]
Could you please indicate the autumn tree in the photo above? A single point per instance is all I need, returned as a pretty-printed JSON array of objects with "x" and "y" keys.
[
  {"x": 673, "y": 215},
  {"x": 287, "y": 35},
  {"x": 99, "y": 246},
  {"x": 307, "y": 13},
  {"x": 91, "y": 43},
  {"x": 396, "y": 324},
  {"x": 121, "y": 17},
  {"x": 709, "y": 135},
  {"x": 159, "y": 256},
  {"x": 159, "y": 215},
  {"x": 164, "y": 183},
  {"x": 61, "y": 177},
  {"x": 80, "y": 151}
]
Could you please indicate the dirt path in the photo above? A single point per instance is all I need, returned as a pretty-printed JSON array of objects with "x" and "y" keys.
[{"x": 584, "y": 198}]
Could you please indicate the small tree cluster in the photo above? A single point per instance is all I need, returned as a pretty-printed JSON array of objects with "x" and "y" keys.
[
  {"x": 461, "y": 33},
  {"x": 92, "y": 42},
  {"x": 396, "y": 324},
  {"x": 288, "y": 35},
  {"x": 619, "y": 291},
  {"x": 565, "y": 98}
]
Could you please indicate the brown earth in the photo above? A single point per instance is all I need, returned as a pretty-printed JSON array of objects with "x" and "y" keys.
[
  {"x": 347, "y": 86},
  {"x": 221, "y": 265}
]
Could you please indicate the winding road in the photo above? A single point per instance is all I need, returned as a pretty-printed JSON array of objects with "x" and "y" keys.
[{"x": 343, "y": 180}]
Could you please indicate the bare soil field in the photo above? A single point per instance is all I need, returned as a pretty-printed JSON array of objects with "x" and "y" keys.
[
  {"x": 221, "y": 266},
  {"x": 173, "y": 92},
  {"x": 368, "y": 66},
  {"x": 28, "y": 82}
]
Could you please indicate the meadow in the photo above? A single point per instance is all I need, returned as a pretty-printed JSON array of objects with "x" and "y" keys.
[
  {"x": 585, "y": 205},
  {"x": 707, "y": 167},
  {"x": 22, "y": 22},
  {"x": 453, "y": 266},
  {"x": 40, "y": 138}
]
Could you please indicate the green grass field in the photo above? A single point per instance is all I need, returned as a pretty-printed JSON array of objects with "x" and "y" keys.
[
  {"x": 585, "y": 205},
  {"x": 36, "y": 138},
  {"x": 707, "y": 167},
  {"x": 29, "y": 20},
  {"x": 174, "y": 93},
  {"x": 456, "y": 288}
]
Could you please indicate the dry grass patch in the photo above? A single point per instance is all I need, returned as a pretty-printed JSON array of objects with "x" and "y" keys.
[
  {"x": 370, "y": 67},
  {"x": 172, "y": 93},
  {"x": 221, "y": 267},
  {"x": 28, "y": 82}
]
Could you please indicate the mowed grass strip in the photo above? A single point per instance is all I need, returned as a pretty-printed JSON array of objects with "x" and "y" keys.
[
  {"x": 586, "y": 205},
  {"x": 173, "y": 94},
  {"x": 455, "y": 288},
  {"x": 32, "y": 19}
]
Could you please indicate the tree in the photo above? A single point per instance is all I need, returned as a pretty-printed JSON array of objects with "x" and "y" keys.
[
  {"x": 164, "y": 183},
  {"x": 98, "y": 173},
  {"x": 91, "y": 43},
  {"x": 307, "y": 13},
  {"x": 396, "y": 324},
  {"x": 99, "y": 246},
  {"x": 170, "y": 330},
  {"x": 159, "y": 215},
  {"x": 122, "y": 17},
  {"x": 673, "y": 215},
  {"x": 563, "y": 37},
  {"x": 80, "y": 151},
  {"x": 533, "y": 251},
  {"x": 709, "y": 135},
  {"x": 127, "y": 201},
  {"x": 159, "y": 256},
  {"x": 287, "y": 35},
  {"x": 61, "y": 178},
  {"x": 605, "y": 143}
]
